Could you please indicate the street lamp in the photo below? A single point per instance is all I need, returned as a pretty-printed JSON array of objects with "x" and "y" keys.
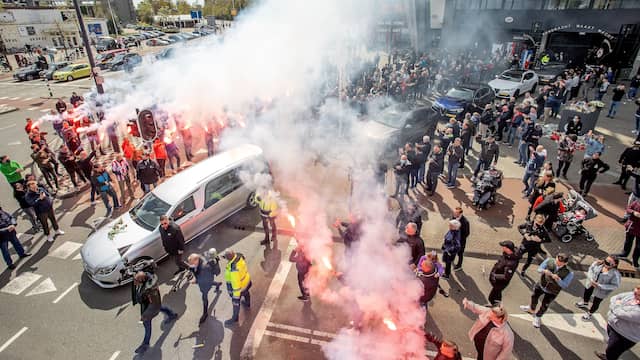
[{"x": 87, "y": 46}]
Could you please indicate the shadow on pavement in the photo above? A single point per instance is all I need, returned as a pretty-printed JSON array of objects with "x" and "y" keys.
[{"x": 557, "y": 344}]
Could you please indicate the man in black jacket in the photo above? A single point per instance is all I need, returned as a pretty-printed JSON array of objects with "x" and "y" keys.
[
  {"x": 489, "y": 152},
  {"x": 303, "y": 264},
  {"x": 503, "y": 271},
  {"x": 534, "y": 235},
  {"x": 38, "y": 197},
  {"x": 173, "y": 241},
  {"x": 148, "y": 173},
  {"x": 435, "y": 165},
  {"x": 85, "y": 163},
  {"x": 415, "y": 242},
  {"x": 68, "y": 160},
  {"x": 465, "y": 230},
  {"x": 204, "y": 272},
  {"x": 146, "y": 293},
  {"x": 629, "y": 160},
  {"x": 8, "y": 235},
  {"x": 574, "y": 127},
  {"x": 401, "y": 170},
  {"x": 591, "y": 167}
]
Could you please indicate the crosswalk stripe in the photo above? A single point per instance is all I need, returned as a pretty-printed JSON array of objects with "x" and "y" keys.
[
  {"x": 20, "y": 283},
  {"x": 4, "y": 98},
  {"x": 44, "y": 110},
  {"x": 32, "y": 108},
  {"x": 65, "y": 250},
  {"x": 27, "y": 99},
  {"x": 15, "y": 98},
  {"x": 44, "y": 287}
]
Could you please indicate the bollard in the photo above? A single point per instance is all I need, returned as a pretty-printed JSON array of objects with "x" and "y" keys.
[{"x": 48, "y": 87}]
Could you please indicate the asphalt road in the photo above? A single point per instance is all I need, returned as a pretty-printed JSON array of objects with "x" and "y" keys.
[{"x": 51, "y": 310}]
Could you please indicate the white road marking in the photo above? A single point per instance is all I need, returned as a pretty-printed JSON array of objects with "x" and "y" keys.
[
  {"x": 15, "y": 98},
  {"x": 65, "y": 292},
  {"x": 20, "y": 283},
  {"x": 7, "y": 127},
  {"x": 32, "y": 108},
  {"x": 261, "y": 321},
  {"x": 44, "y": 110},
  {"x": 13, "y": 338},
  {"x": 77, "y": 257},
  {"x": 573, "y": 323},
  {"x": 302, "y": 330},
  {"x": 115, "y": 355},
  {"x": 14, "y": 143},
  {"x": 27, "y": 99},
  {"x": 44, "y": 287},
  {"x": 65, "y": 250},
  {"x": 4, "y": 98}
]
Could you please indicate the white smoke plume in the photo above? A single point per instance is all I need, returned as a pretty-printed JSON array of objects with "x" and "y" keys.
[{"x": 284, "y": 56}]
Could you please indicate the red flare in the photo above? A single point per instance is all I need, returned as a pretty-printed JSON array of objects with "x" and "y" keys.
[
  {"x": 390, "y": 324},
  {"x": 327, "y": 263},
  {"x": 292, "y": 220}
]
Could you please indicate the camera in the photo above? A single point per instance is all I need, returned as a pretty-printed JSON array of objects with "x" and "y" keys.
[{"x": 146, "y": 265}]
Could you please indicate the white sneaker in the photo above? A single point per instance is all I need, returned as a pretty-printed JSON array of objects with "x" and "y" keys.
[
  {"x": 526, "y": 308},
  {"x": 586, "y": 316},
  {"x": 50, "y": 238},
  {"x": 536, "y": 322},
  {"x": 581, "y": 304},
  {"x": 59, "y": 232}
]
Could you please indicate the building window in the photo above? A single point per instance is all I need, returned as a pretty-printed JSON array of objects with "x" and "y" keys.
[
  {"x": 492, "y": 4},
  {"x": 555, "y": 5},
  {"x": 523, "y": 4},
  {"x": 578, "y": 4},
  {"x": 609, "y": 4},
  {"x": 468, "y": 4},
  {"x": 630, "y": 4}
]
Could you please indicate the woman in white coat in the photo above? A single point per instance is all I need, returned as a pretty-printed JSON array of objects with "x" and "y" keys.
[{"x": 491, "y": 333}]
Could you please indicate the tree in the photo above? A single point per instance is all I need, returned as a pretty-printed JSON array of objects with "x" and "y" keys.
[
  {"x": 145, "y": 11},
  {"x": 183, "y": 7}
]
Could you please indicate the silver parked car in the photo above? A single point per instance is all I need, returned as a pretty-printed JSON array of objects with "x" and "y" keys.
[{"x": 196, "y": 198}]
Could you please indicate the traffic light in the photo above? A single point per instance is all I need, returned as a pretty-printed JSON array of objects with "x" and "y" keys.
[
  {"x": 132, "y": 128},
  {"x": 147, "y": 125}
]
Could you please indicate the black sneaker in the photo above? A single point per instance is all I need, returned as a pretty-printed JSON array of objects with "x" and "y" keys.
[
  {"x": 457, "y": 268},
  {"x": 12, "y": 266},
  {"x": 25, "y": 255},
  {"x": 600, "y": 355},
  {"x": 230, "y": 322},
  {"x": 303, "y": 298},
  {"x": 264, "y": 242}
]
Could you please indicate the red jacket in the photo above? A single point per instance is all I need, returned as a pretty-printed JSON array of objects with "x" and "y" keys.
[
  {"x": 632, "y": 225},
  {"x": 127, "y": 149},
  {"x": 160, "y": 150}
]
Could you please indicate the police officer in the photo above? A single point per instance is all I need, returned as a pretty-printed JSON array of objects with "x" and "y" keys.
[
  {"x": 204, "y": 272},
  {"x": 268, "y": 205},
  {"x": 173, "y": 241},
  {"x": 146, "y": 293},
  {"x": 238, "y": 283},
  {"x": 503, "y": 271}
]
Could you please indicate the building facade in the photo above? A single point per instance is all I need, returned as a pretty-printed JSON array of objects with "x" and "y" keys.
[
  {"x": 45, "y": 27},
  {"x": 124, "y": 10},
  {"x": 595, "y": 31}
]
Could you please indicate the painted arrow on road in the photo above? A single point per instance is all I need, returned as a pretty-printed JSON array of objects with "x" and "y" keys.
[
  {"x": 43, "y": 288},
  {"x": 573, "y": 323}
]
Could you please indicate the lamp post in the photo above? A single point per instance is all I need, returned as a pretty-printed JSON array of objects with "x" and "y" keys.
[
  {"x": 113, "y": 18},
  {"x": 87, "y": 46}
]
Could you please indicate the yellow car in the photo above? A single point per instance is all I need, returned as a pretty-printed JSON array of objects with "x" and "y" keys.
[{"x": 72, "y": 72}]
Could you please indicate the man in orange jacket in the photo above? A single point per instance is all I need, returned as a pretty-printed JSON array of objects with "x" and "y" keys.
[{"x": 160, "y": 152}]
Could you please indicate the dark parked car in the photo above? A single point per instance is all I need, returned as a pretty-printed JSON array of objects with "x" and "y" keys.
[
  {"x": 48, "y": 74},
  {"x": 28, "y": 73},
  {"x": 394, "y": 127},
  {"x": 549, "y": 73},
  {"x": 125, "y": 61},
  {"x": 465, "y": 98}
]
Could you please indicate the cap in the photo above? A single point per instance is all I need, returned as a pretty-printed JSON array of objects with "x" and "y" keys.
[{"x": 508, "y": 244}]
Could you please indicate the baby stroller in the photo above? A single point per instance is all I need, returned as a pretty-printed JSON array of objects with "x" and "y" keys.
[
  {"x": 570, "y": 223},
  {"x": 486, "y": 187}
]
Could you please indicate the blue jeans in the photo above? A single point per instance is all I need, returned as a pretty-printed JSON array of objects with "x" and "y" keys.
[
  {"x": 613, "y": 108},
  {"x": 421, "y": 173},
  {"x": 632, "y": 93},
  {"x": 105, "y": 198},
  {"x": 637, "y": 122},
  {"x": 147, "y": 324},
  {"x": 529, "y": 180},
  {"x": 481, "y": 163},
  {"x": 413, "y": 178},
  {"x": 511, "y": 135},
  {"x": 401, "y": 185},
  {"x": 452, "y": 171},
  {"x": 4, "y": 246},
  {"x": 147, "y": 187},
  {"x": 522, "y": 152}
]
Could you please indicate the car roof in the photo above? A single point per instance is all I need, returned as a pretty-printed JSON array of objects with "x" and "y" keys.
[
  {"x": 471, "y": 86},
  {"x": 190, "y": 178}
]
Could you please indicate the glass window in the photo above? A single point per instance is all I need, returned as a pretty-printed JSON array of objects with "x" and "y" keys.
[
  {"x": 147, "y": 212},
  {"x": 578, "y": 4},
  {"x": 525, "y": 4},
  {"x": 630, "y": 4},
  {"x": 492, "y": 4},
  {"x": 187, "y": 206},
  {"x": 555, "y": 4},
  {"x": 220, "y": 187}
]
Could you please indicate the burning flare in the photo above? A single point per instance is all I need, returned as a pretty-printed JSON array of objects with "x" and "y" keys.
[
  {"x": 390, "y": 324},
  {"x": 327, "y": 263},
  {"x": 292, "y": 220}
]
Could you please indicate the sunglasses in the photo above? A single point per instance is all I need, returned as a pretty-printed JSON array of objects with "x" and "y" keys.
[{"x": 609, "y": 264}]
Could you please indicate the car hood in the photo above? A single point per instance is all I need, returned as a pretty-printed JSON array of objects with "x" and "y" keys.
[
  {"x": 503, "y": 84},
  {"x": 378, "y": 131},
  {"x": 450, "y": 102},
  {"x": 99, "y": 250}
]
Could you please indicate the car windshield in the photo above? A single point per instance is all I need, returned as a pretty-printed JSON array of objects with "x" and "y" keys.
[
  {"x": 511, "y": 75},
  {"x": 66, "y": 68},
  {"x": 392, "y": 118},
  {"x": 460, "y": 94},
  {"x": 148, "y": 211},
  {"x": 118, "y": 57}
]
